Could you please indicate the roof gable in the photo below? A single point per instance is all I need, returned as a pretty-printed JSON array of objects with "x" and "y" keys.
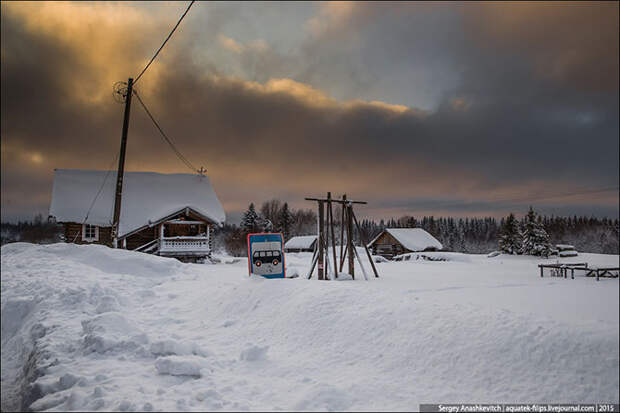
[{"x": 147, "y": 197}]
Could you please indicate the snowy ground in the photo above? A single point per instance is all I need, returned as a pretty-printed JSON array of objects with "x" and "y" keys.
[{"x": 95, "y": 328}]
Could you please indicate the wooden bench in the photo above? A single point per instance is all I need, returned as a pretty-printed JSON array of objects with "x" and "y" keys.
[
  {"x": 603, "y": 272},
  {"x": 563, "y": 268},
  {"x": 581, "y": 266}
]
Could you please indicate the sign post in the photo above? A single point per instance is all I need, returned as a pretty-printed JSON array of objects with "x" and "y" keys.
[{"x": 266, "y": 255}]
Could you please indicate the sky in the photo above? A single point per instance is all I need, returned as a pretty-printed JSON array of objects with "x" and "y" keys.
[{"x": 445, "y": 109}]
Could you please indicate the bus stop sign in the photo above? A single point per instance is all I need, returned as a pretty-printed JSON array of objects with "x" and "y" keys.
[{"x": 265, "y": 255}]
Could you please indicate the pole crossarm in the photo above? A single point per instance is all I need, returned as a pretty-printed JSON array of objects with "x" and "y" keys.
[{"x": 340, "y": 201}]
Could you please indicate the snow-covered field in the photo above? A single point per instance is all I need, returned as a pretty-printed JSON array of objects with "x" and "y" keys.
[{"x": 89, "y": 328}]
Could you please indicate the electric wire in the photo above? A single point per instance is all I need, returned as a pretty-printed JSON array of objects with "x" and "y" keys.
[
  {"x": 163, "y": 44},
  {"x": 166, "y": 138},
  {"x": 92, "y": 204}
]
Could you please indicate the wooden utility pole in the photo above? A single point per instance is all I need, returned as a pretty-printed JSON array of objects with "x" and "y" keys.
[
  {"x": 363, "y": 240},
  {"x": 121, "y": 164},
  {"x": 342, "y": 250},
  {"x": 321, "y": 250},
  {"x": 319, "y": 241},
  {"x": 330, "y": 224},
  {"x": 351, "y": 255}
]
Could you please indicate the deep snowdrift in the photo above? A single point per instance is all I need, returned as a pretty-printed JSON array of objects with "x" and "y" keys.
[{"x": 88, "y": 328}]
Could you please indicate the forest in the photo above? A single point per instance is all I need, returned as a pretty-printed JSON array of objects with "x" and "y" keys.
[{"x": 468, "y": 235}]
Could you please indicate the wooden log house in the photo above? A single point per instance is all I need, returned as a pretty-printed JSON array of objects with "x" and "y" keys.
[
  {"x": 396, "y": 241},
  {"x": 171, "y": 215}
]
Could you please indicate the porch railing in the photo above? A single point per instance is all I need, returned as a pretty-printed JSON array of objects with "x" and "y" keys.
[{"x": 187, "y": 244}]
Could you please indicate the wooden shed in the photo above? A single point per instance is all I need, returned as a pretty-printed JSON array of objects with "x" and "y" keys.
[
  {"x": 170, "y": 215},
  {"x": 303, "y": 243},
  {"x": 396, "y": 241}
]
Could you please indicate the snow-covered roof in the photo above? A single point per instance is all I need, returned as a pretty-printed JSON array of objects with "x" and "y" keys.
[
  {"x": 301, "y": 242},
  {"x": 414, "y": 239},
  {"x": 147, "y": 197}
]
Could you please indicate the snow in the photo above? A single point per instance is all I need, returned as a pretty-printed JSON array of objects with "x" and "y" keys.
[
  {"x": 85, "y": 327},
  {"x": 568, "y": 253},
  {"x": 147, "y": 197},
  {"x": 434, "y": 256},
  {"x": 414, "y": 239},
  {"x": 300, "y": 242}
]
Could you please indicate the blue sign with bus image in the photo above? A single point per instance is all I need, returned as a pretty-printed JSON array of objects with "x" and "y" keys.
[{"x": 266, "y": 255}]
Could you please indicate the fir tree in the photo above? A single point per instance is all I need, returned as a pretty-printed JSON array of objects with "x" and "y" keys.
[
  {"x": 250, "y": 221},
  {"x": 535, "y": 238},
  {"x": 510, "y": 236},
  {"x": 285, "y": 221}
]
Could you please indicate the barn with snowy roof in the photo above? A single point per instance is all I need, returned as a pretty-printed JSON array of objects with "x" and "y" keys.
[
  {"x": 396, "y": 241},
  {"x": 164, "y": 214}
]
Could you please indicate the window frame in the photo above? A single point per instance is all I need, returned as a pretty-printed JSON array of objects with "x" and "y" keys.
[{"x": 90, "y": 239}]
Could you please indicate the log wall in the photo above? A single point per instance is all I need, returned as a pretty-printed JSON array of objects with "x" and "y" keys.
[{"x": 73, "y": 230}]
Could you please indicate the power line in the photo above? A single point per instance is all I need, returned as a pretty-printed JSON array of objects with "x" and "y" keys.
[
  {"x": 163, "y": 44},
  {"x": 92, "y": 204},
  {"x": 163, "y": 134}
]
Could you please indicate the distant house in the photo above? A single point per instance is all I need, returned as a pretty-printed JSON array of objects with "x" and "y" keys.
[
  {"x": 396, "y": 241},
  {"x": 164, "y": 214},
  {"x": 565, "y": 250},
  {"x": 305, "y": 243}
]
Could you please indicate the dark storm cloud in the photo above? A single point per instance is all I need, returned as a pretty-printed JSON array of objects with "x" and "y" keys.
[{"x": 521, "y": 118}]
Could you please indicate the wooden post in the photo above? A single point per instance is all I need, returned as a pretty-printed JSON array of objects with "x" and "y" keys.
[
  {"x": 314, "y": 258},
  {"x": 331, "y": 226},
  {"x": 320, "y": 241},
  {"x": 121, "y": 165},
  {"x": 209, "y": 239},
  {"x": 344, "y": 198},
  {"x": 359, "y": 229},
  {"x": 360, "y": 263},
  {"x": 350, "y": 245},
  {"x": 541, "y": 271},
  {"x": 343, "y": 248},
  {"x": 326, "y": 240}
]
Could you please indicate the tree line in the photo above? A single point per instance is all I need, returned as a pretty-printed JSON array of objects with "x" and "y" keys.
[
  {"x": 37, "y": 231},
  {"x": 533, "y": 234}
]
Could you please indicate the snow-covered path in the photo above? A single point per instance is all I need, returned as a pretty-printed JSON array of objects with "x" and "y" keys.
[{"x": 95, "y": 328}]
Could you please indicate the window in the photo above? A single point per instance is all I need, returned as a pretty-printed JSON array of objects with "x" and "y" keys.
[{"x": 90, "y": 233}]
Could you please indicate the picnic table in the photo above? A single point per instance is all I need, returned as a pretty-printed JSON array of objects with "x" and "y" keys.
[{"x": 563, "y": 268}]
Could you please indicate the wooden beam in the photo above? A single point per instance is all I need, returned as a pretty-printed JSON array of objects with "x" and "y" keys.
[
  {"x": 350, "y": 241},
  {"x": 344, "y": 198},
  {"x": 321, "y": 242},
  {"x": 365, "y": 246},
  {"x": 336, "y": 200},
  {"x": 315, "y": 257},
  {"x": 331, "y": 226}
]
